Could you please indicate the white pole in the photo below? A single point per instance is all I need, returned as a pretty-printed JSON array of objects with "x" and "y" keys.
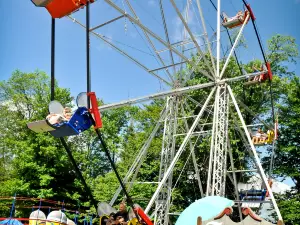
[
  {"x": 209, "y": 174},
  {"x": 206, "y": 36},
  {"x": 218, "y": 37},
  {"x": 234, "y": 45},
  {"x": 255, "y": 154}
]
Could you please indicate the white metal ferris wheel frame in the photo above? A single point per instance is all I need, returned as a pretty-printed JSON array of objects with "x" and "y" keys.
[{"x": 220, "y": 87}]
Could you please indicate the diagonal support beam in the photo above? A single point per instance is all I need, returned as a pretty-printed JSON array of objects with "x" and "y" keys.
[
  {"x": 179, "y": 152},
  {"x": 106, "y": 23},
  {"x": 139, "y": 159},
  {"x": 234, "y": 46},
  {"x": 192, "y": 148},
  {"x": 206, "y": 35},
  {"x": 257, "y": 160}
]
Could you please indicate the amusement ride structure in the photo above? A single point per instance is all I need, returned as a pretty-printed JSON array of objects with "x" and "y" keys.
[{"x": 220, "y": 107}]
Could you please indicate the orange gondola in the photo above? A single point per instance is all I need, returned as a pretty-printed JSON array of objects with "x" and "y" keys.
[{"x": 61, "y": 8}]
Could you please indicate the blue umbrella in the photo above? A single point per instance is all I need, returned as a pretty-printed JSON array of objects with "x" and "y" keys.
[
  {"x": 208, "y": 208},
  {"x": 11, "y": 222}
]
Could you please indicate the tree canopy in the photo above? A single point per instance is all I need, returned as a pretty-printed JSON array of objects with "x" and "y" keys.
[{"x": 36, "y": 165}]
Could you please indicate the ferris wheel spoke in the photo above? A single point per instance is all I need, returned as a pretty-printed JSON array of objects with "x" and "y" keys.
[
  {"x": 192, "y": 37},
  {"x": 176, "y": 91},
  {"x": 234, "y": 46},
  {"x": 122, "y": 52},
  {"x": 192, "y": 147},
  {"x": 206, "y": 36},
  {"x": 166, "y": 32},
  {"x": 146, "y": 29},
  {"x": 151, "y": 44}
]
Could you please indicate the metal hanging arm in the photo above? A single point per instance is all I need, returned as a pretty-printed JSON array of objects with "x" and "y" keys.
[
  {"x": 88, "y": 70},
  {"x": 247, "y": 5},
  {"x": 52, "y": 96},
  {"x": 129, "y": 199}
]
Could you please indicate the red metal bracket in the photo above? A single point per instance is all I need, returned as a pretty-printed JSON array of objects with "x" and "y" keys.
[
  {"x": 270, "y": 74},
  {"x": 143, "y": 216},
  {"x": 94, "y": 110},
  {"x": 251, "y": 12}
]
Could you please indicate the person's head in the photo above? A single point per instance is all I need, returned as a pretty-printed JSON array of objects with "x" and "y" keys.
[
  {"x": 111, "y": 215},
  {"x": 122, "y": 207}
]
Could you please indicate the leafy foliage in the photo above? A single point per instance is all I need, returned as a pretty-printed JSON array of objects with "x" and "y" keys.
[{"x": 36, "y": 165}]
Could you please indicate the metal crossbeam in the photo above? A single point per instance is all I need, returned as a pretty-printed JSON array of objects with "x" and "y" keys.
[
  {"x": 176, "y": 91},
  {"x": 164, "y": 67},
  {"x": 241, "y": 171},
  {"x": 106, "y": 23}
]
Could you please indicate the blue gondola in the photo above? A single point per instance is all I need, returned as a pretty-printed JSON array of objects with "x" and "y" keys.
[
  {"x": 80, "y": 121},
  {"x": 253, "y": 195}
]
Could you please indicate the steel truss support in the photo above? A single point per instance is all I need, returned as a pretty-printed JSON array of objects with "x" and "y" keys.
[
  {"x": 178, "y": 154},
  {"x": 257, "y": 161},
  {"x": 219, "y": 144},
  {"x": 162, "y": 203}
]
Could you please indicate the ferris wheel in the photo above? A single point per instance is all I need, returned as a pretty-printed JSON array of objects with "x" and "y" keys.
[{"x": 198, "y": 49}]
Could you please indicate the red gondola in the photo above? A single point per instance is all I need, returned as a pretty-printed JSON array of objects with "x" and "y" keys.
[{"x": 61, "y": 8}]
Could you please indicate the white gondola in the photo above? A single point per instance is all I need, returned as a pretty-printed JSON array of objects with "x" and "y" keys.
[{"x": 236, "y": 21}]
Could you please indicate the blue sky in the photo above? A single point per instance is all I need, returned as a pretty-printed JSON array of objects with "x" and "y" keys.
[{"x": 25, "y": 42}]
